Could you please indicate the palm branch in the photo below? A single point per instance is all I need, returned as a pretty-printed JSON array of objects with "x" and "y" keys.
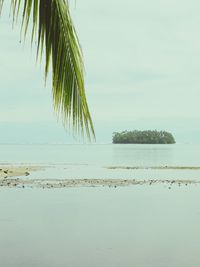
[{"x": 55, "y": 35}]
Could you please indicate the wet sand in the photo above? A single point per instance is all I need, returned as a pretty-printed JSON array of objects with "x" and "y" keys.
[{"x": 12, "y": 171}]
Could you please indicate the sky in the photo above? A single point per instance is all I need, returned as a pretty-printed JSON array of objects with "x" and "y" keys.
[{"x": 142, "y": 66}]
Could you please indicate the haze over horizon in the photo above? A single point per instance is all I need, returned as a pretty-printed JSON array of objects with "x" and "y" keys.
[{"x": 142, "y": 62}]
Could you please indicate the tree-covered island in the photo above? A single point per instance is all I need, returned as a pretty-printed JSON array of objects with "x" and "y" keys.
[{"x": 143, "y": 137}]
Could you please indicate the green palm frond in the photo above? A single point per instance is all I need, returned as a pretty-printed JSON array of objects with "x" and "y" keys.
[{"x": 56, "y": 37}]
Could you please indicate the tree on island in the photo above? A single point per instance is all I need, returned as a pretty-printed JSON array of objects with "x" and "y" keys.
[
  {"x": 55, "y": 36},
  {"x": 143, "y": 137}
]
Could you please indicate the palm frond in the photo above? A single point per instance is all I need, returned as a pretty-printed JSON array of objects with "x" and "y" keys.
[
  {"x": 56, "y": 37},
  {"x": 1, "y": 5}
]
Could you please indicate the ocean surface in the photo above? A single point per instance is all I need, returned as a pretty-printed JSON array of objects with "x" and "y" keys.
[
  {"x": 140, "y": 226},
  {"x": 133, "y": 226},
  {"x": 96, "y": 161}
]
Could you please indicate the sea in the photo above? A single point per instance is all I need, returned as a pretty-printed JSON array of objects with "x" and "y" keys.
[
  {"x": 131, "y": 226},
  {"x": 103, "y": 161}
]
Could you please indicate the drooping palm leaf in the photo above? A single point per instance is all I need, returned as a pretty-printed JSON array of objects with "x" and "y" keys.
[{"x": 56, "y": 37}]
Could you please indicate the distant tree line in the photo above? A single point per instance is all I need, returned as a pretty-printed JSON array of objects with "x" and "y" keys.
[{"x": 143, "y": 137}]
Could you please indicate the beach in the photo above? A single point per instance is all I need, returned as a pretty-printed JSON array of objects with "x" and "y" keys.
[{"x": 8, "y": 171}]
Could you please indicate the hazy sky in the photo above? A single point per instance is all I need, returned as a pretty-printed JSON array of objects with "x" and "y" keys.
[{"x": 142, "y": 61}]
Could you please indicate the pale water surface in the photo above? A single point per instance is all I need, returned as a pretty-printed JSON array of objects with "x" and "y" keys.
[
  {"x": 91, "y": 161},
  {"x": 140, "y": 226},
  {"x": 143, "y": 226}
]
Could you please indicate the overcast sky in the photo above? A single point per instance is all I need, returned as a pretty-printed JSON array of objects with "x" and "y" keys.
[{"x": 142, "y": 61}]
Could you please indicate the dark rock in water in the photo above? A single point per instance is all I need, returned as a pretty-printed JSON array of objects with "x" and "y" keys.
[{"x": 27, "y": 173}]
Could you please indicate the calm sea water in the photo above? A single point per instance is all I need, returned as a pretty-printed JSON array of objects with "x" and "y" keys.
[
  {"x": 91, "y": 161},
  {"x": 108, "y": 154},
  {"x": 142, "y": 226}
]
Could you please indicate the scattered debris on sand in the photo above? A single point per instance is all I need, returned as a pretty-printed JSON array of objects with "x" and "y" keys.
[
  {"x": 62, "y": 183},
  {"x": 153, "y": 167}
]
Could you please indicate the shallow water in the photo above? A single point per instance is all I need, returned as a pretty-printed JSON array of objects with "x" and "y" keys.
[
  {"x": 108, "y": 154},
  {"x": 139, "y": 226},
  {"x": 91, "y": 161}
]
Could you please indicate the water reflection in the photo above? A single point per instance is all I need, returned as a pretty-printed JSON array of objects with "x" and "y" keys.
[{"x": 136, "y": 226}]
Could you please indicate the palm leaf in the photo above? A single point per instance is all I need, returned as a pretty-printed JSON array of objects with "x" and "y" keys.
[{"x": 56, "y": 37}]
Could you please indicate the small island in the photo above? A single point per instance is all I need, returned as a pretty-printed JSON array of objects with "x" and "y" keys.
[{"x": 143, "y": 137}]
